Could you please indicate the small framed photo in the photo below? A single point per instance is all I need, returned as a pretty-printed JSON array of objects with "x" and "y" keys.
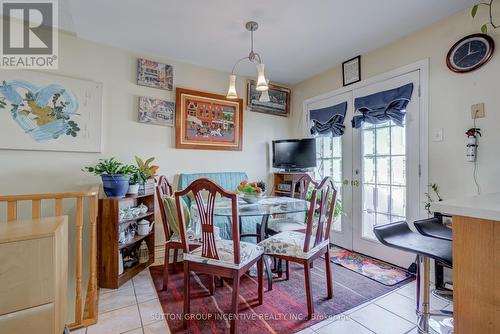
[
  {"x": 278, "y": 104},
  {"x": 156, "y": 111},
  {"x": 351, "y": 70},
  {"x": 154, "y": 74}
]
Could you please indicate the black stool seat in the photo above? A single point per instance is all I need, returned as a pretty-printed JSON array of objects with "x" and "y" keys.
[
  {"x": 433, "y": 227},
  {"x": 398, "y": 235}
]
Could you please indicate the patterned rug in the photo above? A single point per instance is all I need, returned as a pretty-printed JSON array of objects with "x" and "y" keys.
[
  {"x": 372, "y": 268},
  {"x": 284, "y": 309}
]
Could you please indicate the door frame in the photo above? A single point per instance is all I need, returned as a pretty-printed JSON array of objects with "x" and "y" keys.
[{"x": 423, "y": 91}]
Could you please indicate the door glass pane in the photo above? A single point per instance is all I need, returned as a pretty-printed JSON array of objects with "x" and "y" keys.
[
  {"x": 398, "y": 170},
  {"x": 329, "y": 163},
  {"x": 397, "y": 140},
  {"x": 383, "y": 141},
  {"x": 369, "y": 170},
  {"x": 383, "y": 176},
  {"x": 383, "y": 170}
]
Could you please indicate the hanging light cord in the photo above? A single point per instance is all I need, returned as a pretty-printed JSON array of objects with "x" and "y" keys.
[{"x": 252, "y": 56}]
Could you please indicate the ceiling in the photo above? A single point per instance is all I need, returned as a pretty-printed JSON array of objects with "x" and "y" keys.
[{"x": 296, "y": 38}]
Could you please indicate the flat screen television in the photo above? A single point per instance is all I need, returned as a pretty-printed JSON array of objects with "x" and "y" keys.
[{"x": 294, "y": 154}]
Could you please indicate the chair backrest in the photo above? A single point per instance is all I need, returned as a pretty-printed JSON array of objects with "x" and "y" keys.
[
  {"x": 206, "y": 207},
  {"x": 322, "y": 206},
  {"x": 303, "y": 184},
  {"x": 164, "y": 188}
]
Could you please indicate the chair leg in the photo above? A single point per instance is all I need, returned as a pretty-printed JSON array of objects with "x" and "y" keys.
[
  {"x": 176, "y": 251},
  {"x": 269, "y": 274},
  {"x": 280, "y": 268},
  {"x": 166, "y": 268},
  {"x": 186, "y": 294},
  {"x": 307, "y": 275},
  {"x": 234, "y": 307},
  {"x": 287, "y": 273},
  {"x": 329, "y": 286},
  {"x": 211, "y": 287},
  {"x": 260, "y": 278}
]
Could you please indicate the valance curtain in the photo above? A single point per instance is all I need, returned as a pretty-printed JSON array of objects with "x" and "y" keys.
[
  {"x": 328, "y": 121},
  {"x": 383, "y": 106}
]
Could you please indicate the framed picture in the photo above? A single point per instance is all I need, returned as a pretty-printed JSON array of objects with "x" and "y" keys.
[
  {"x": 156, "y": 111},
  {"x": 46, "y": 112},
  {"x": 278, "y": 104},
  {"x": 154, "y": 74},
  {"x": 351, "y": 70},
  {"x": 207, "y": 121}
]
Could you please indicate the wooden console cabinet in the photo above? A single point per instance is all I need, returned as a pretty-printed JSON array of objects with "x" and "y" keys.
[{"x": 33, "y": 277}]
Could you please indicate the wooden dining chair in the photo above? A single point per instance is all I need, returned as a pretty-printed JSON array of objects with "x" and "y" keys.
[
  {"x": 172, "y": 241},
  {"x": 300, "y": 188},
  {"x": 225, "y": 258},
  {"x": 304, "y": 248}
]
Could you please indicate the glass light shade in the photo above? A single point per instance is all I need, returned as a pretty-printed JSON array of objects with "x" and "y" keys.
[
  {"x": 261, "y": 79},
  {"x": 264, "y": 96},
  {"x": 231, "y": 92}
]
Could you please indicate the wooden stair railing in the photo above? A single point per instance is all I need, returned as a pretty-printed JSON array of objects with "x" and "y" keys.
[{"x": 85, "y": 314}]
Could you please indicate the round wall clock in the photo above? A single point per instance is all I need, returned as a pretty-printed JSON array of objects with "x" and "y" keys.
[{"x": 470, "y": 53}]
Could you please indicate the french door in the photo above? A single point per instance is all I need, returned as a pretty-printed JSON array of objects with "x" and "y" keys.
[
  {"x": 334, "y": 159},
  {"x": 376, "y": 169},
  {"x": 386, "y": 173}
]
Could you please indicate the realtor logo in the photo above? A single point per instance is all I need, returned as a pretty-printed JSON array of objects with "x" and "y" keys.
[{"x": 29, "y": 34}]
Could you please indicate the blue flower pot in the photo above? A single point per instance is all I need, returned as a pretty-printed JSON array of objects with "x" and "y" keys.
[{"x": 115, "y": 185}]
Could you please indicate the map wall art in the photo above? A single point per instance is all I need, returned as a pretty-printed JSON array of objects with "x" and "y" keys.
[
  {"x": 208, "y": 121},
  {"x": 47, "y": 112}
]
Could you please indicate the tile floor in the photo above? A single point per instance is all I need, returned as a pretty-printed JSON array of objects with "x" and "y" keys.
[{"x": 134, "y": 309}]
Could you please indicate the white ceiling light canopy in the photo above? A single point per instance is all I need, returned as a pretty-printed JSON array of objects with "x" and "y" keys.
[{"x": 253, "y": 57}]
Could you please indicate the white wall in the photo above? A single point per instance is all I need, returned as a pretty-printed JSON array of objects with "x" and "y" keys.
[
  {"x": 123, "y": 137},
  {"x": 451, "y": 96}
]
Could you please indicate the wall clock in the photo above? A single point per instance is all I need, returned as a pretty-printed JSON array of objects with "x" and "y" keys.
[{"x": 470, "y": 53}]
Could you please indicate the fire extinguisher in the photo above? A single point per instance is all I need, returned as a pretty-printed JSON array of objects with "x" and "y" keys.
[{"x": 472, "y": 135}]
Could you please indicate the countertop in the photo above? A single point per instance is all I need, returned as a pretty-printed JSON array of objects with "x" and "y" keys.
[{"x": 485, "y": 206}]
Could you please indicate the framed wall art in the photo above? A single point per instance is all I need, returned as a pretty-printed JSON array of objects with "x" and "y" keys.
[
  {"x": 277, "y": 104},
  {"x": 208, "y": 121},
  {"x": 46, "y": 112},
  {"x": 154, "y": 74},
  {"x": 156, "y": 111},
  {"x": 351, "y": 71}
]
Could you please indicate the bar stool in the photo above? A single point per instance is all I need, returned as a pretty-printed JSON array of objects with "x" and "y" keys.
[{"x": 398, "y": 235}]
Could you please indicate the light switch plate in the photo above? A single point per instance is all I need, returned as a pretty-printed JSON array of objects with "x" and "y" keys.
[
  {"x": 437, "y": 135},
  {"x": 477, "y": 110}
]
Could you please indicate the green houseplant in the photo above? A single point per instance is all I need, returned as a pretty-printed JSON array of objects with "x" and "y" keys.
[
  {"x": 114, "y": 174},
  {"x": 137, "y": 178}
]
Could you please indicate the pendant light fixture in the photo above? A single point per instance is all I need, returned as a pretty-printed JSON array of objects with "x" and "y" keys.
[
  {"x": 264, "y": 96},
  {"x": 254, "y": 57}
]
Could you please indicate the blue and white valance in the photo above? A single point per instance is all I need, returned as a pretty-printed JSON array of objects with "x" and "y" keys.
[
  {"x": 382, "y": 107},
  {"x": 328, "y": 121}
]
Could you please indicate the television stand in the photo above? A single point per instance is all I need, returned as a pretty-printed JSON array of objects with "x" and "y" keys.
[{"x": 283, "y": 181}]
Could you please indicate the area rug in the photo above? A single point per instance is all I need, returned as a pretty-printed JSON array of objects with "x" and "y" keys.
[
  {"x": 377, "y": 270},
  {"x": 284, "y": 309}
]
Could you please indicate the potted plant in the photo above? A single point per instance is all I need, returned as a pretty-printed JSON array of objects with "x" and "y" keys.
[
  {"x": 137, "y": 178},
  {"x": 149, "y": 170},
  {"x": 114, "y": 174}
]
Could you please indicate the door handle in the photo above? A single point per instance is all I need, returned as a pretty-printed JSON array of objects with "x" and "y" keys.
[
  {"x": 345, "y": 182},
  {"x": 354, "y": 183}
]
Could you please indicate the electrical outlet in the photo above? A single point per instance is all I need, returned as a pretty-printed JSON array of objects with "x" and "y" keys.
[{"x": 477, "y": 110}]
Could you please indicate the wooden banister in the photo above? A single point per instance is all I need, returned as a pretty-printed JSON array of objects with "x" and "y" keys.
[{"x": 85, "y": 314}]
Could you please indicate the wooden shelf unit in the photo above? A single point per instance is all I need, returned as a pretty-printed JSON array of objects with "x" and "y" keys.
[
  {"x": 107, "y": 236},
  {"x": 285, "y": 177}
]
